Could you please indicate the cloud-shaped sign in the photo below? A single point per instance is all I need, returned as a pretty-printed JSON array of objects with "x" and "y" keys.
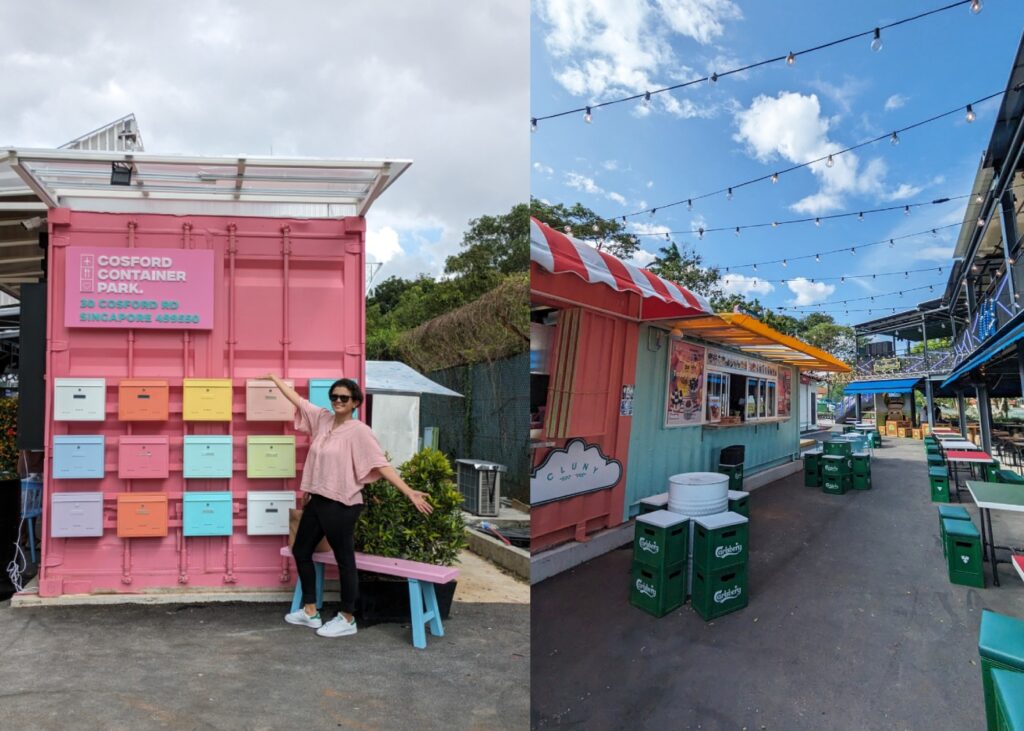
[{"x": 573, "y": 470}]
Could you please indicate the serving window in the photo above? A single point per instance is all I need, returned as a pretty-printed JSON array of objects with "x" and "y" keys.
[{"x": 717, "y": 397}]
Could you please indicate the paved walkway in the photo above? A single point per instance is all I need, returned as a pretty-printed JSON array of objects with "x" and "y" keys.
[{"x": 852, "y": 624}]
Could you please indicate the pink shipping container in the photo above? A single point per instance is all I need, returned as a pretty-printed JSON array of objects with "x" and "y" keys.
[{"x": 229, "y": 294}]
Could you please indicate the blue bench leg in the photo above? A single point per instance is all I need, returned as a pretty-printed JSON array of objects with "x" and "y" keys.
[
  {"x": 419, "y": 636},
  {"x": 32, "y": 539},
  {"x": 297, "y": 596},
  {"x": 436, "y": 628}
]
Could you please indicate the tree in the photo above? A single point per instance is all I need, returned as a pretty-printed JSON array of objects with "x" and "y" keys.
[
  {"x": 686, "y": 268},
  {"x": 832, "y": 338},
  {"x": 493, "y": 247},
  {"x": 608, "y": 235}
]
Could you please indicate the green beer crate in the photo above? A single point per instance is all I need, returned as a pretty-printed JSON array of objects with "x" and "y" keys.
[
  {"x": 1001, "y": 647},
  {"x": 991, "y": 471},
  {"x": 735, "y": 472},
  {"x": 861, "y": 463},
  {"x": 861, "y": 482},
  {"x": 812, "y": 479},
  {"x": 838, "y": 446},
  {"x": 653, "y": 503},
  {"x": 739, "y": 502},
  {"x": 719, "y": 592},
  {"x": 658, "y": 590},
  {"x": 837, "y": 485},
  {"x": 834, "y": 465},
  {"x": 963, "y": 553},
  {"x": 950, "y": 512},
  {"x": 938, "y": 478},
  {"x": 1009, "y": 693},
  {"x": 720, "y": 540},
  {"x": 661, "y": 538}
]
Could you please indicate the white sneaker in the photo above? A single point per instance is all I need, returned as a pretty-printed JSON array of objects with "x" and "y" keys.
[
  {"x": 338, "y": 627},
  {"x": 299, "y": 616}
]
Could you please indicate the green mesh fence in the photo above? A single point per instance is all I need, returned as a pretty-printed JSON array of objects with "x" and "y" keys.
[{"x": 491, "y": 422}]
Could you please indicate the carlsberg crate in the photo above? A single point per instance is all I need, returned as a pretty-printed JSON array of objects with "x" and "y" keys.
[
  {"x": 861, "y": 463},
  {"x": 719, "y": 592},
  {"x": 720, "y": 540},
  {"x": 835, "y": 465},
  {"x": 657, "y": 590},
  {"x": 661, "y": 539},
  {"x": 837, "y": 485},
  {"x": 841, "y": 447}
]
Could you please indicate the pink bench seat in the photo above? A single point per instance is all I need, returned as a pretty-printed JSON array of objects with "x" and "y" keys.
[{"x": 421, "y": 578}]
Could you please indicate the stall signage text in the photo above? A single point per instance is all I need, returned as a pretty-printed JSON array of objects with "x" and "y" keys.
[
  {"x": 151, "y": 289},
  {"x": 733, "y": 362},
  {"x": 575, "y": 469}
]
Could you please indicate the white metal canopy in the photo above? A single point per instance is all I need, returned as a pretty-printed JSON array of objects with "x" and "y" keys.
[{"x": 181, "y": 184}]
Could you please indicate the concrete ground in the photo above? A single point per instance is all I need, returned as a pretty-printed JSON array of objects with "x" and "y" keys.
[
  {"x": 239, "y": 666},
  {"x": 852, "y": 623}
]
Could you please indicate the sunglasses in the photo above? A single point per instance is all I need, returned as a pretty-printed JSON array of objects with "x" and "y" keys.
[{"x": 339, "y": 398}]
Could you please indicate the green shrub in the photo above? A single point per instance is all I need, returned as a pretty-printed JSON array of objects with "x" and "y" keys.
[
  {"x": 8, "y": 438},
  {"x": 390, "y": 526}
]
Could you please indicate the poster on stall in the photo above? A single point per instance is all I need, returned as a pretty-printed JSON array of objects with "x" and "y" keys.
[
  {"x": 685, "y": 402},
  {"x": 785, "y": 389}
]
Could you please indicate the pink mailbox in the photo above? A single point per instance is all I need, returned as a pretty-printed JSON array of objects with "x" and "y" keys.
[
  {"x": 265, "y": 402},
  {"x": 142, "y": 457}
]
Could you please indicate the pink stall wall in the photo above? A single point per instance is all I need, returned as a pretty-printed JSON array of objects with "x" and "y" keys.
[{"x": 288, "y": 298}]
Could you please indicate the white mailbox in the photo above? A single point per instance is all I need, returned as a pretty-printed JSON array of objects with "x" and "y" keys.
[
  {"x": 79, "y": 399},
  {"x": 267, "y": 512}
]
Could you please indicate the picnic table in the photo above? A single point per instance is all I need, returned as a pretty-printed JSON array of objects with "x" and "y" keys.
[
  {"x": 960, "y": 445},
  {"x": 968, "y": 457},
  {"x": 990, "y": 496}
]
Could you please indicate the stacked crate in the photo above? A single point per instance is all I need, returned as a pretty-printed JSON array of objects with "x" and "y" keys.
[
  {"x": 720, "y": 548},
  {"x": 861, "y": 471},
  {"x": 660, "y": 546},
  {"x": 837, "y": 467},
  {"x": 812, "y": 468}
]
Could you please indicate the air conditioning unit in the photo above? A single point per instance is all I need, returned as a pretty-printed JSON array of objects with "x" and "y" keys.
[{"x": 480, "y": 485}]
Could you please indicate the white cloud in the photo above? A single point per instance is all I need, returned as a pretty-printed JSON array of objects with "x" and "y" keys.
[
  {"x": 903, "y": 191},
  {"x": 895, "y": 102},
  {"x": 382, "y": 245},
  {"x": 544, "y": 169},
  {"x": 642, "y": 258},
  {"x": 607, "y": 49},
  {"x": 610, "y": 165},
  {"x": 587, "y": 185},
  {"x": 650, "y": 183},
  {"x": 934, "y": 253},
  {"x": 741, "y": 284},
  {"x": 808, "y": 292},
  {"x": 648, "y": 229},
  {"x": 613, "y": 196},
  {"x": 791, "y": 126},
  {"x": 841, "y": 94}
]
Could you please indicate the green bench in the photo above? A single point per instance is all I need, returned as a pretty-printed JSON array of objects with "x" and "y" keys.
[{"x": 1001, "y": 647}]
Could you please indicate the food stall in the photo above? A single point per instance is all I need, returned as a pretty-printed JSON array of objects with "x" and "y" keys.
[
  {"x": 175, "y": 284},
  {"x": 633, "y": 379}
]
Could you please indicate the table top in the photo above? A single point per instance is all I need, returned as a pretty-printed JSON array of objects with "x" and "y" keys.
[
  {"x": 961, "y": 445},
  {"x": 865, "y": 427},
  {"x": 965, "y": 456},
  {"x": 951, "y": 435},
  {"x": 997, "y": 495}
]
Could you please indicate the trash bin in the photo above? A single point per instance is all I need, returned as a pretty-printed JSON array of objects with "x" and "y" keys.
[{"x": 730, "y": 462}]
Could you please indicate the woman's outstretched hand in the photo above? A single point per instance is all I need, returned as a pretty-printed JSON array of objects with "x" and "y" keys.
[{"x": 421, "y": 501}]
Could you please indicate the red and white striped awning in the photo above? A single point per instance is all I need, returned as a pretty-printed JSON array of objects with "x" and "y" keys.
[{"x": 560, "y": 254}]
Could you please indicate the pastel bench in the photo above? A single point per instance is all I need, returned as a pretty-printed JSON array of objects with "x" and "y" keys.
[{"x": 421, "y": 578}]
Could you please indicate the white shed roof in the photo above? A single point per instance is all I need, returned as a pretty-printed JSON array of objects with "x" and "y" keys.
[{"x": 391, "y": 376}]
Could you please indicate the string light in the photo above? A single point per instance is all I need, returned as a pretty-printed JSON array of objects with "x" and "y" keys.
[
  {"x": 817, "y": 258},
  {"x": 647, "y": 98},
  {"x": 689, "y": 206},
  {"x": 981, "y": 222},
  {"x": 817, "y": 222},
  {"x": 855, "y": 299},
  {"x": 894, "y": 139},
  {"x": 978, "y": 199},
  {"x": 588, "y": 117},
  {"x": 828, "y": 163},
  {"x": 842, "y": 279},
  {"x": 860, "y": 216},
  {"x": 784, "y": 263},
  {"x": 906, "y": 210},
  {"x": 876, "y": 42},
  {"x": 533, "y": 124},
  {"x": 728, "y": 195},
  {"x": 970, "y": 116},
  {"x": 775, "y": 178},
  {"x": 853, "y": 250},
  {"x": 789, "y": 58},
  {"x": 737, "y": 230}
]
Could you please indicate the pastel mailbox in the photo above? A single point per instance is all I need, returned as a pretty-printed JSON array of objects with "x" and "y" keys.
[
  {"x": 272, "y": 456},
  {"x": 79, "y": 399},
  {"x": 142, "y": 457},
  {"x": 267, "y": 512},
  {"x": 78, "y": 457},
  {"x": 207, "y": 513},
  {"x": 141, "y": 515},
  {"x": 207, "y": 457},
  {"x": 318, "y": 392},
  {"x": 142, "y": 400},
  {"x": 206, "y": 399},
  {"x": 265, "y": 402},
  {"x": 76, "y": 514}
]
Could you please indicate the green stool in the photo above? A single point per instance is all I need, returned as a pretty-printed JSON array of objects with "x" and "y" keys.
[
  {"x": 935, "y": 460},
  {"x": 963, "y": 553},
  {"x": 1009, "y": 693},
  {"x": 1011, "y": 477},
  {"x": 950, "y": 512},
  {"x": 992, "y": 471},
  {"x": 938, "y": 478},
  {"x": 1001, "y": 646}
]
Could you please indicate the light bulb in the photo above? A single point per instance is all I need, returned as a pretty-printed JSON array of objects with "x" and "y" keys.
[
  {"x": 830, "y": 162},
  {"x": 981, "y": 222},
  {"x": 728, "y": 195},
  {"x": 700, "y": 233},
  {"x": 568, "y": 230},
  {"x": 653, "y": 211},
  {"x": 894, "y": 139},
  {"x": 975, "y": 6},
  {"x": 775, "y": 177},
  {"x": 666, "y": 236},
  {"x": 971, "y": 116},
  {"x": 906, "y": 210},
  {"x": 935, "y": 234},
  {"x": 533, "y": 124},
  {"x": 790, "y": 59},
  {"x": 860, "y": 216},
  {"x": 785, "y": 263},
  {"x": 1011, "y": 261},
  {"x": 892, "y": 244},
  {"x": 853, "y": 251},
  {"x": 588, "y": 117},
  {"x": 817, "y": 222},
  {"x": 755, "y": 267},
  {"x": 595, "y": 228},
  {"x": 842, "y": 280},
  {"x": 906, "y": 275},
  {"x": 737, "y": 230},
  {"x": 689, "y": 205},
  {"x": 647, "y": 98},
  {"x": 876, "y": 42},
  {"x": 978, "y": 199},
  {"x": 775, "y": 224},
  {"x": 817, "y": 257},
  {"x": 714, "y": 77}
]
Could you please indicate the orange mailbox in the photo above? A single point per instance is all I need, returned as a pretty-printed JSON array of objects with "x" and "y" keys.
[
  {"x": 141, "y": 515},
  {"x": 142, "y": 400}
]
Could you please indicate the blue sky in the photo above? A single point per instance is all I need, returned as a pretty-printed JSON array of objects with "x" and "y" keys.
[{"x": 710, "y": 136}]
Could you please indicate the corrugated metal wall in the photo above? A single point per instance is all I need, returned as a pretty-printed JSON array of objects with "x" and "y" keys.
[
  {"x": 656, "y": 452},
  {"x": 492, "y": 421}
]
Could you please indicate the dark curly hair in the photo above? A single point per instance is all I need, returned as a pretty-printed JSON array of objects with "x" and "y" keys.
[{"x": 353, "y": 388}]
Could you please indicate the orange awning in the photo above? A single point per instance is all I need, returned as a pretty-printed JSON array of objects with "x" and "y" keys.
[{"x": 752, "y": 336}]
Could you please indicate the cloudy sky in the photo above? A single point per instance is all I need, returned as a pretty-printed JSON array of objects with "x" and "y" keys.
[
  {"x": 443, "y": 82},
  {"x": 710, "y": 136}
]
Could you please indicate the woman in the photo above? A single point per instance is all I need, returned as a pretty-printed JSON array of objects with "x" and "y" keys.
[{"x": 343, "y": 456}]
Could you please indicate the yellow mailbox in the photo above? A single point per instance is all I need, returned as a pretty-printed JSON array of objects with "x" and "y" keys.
[{"x": 206, "y": 399}]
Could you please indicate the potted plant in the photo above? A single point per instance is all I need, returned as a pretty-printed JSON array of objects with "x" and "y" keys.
[{"x": 390, "y": 526}]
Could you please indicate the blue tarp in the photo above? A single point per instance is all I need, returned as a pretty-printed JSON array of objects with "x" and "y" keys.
[
  {"x": 986, "y": 352},
  {"x": 899, "y": 385}
]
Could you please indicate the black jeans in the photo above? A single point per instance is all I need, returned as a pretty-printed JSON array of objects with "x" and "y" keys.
[{"x": 325, "y": 517}]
